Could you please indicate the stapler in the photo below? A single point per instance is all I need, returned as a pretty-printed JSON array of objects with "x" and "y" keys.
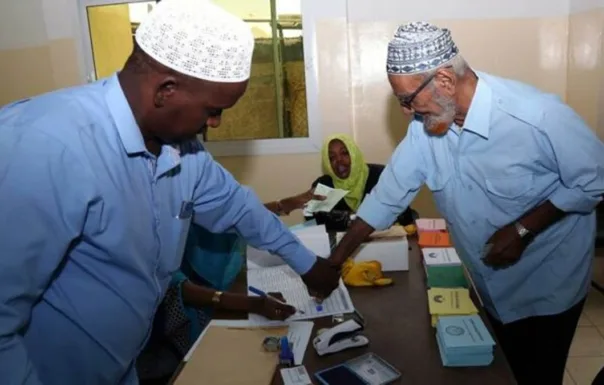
[
  {"x": 286, "y": 354},
  {"x": 340, "y": 337}
]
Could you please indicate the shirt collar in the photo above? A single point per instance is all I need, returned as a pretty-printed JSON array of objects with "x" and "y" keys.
[
  {"x": 123, "y": 118},
  {"x": 478, "y": 118},
  {"x": 128, "y": 129}
]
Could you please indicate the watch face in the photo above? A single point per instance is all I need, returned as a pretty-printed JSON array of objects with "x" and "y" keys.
[{"x": 522, "y": 231}]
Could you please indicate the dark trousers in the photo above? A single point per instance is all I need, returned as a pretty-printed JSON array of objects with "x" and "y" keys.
[{"x": 537, "y": 347}]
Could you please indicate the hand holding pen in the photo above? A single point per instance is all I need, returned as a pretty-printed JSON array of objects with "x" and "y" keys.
[{"x": 274, "y": 305}]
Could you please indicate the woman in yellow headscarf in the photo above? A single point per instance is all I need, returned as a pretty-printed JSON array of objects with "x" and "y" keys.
[{"x": 345, "y": 168}]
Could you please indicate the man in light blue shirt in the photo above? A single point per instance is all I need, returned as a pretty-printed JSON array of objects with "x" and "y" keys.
[
  {"x": 516, "y": 174},
  {"x": 98, "y": 186}
]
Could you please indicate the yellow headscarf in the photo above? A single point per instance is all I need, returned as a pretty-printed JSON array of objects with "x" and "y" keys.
[{"x": 359, "y": 171}]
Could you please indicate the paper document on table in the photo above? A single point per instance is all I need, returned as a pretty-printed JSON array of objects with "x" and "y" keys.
[
  {"x": 298, "y": 334},
  {"x": 431, "y": 224},
  {"x": 295, "y": 376},
  {"x": 434, "y": 239},
  {"x": 282, "y": 279},
  {"x": 332, "y": 197}
]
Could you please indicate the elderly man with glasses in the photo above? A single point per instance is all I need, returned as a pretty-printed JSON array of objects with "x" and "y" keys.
[{"x": 516, "y": 174}]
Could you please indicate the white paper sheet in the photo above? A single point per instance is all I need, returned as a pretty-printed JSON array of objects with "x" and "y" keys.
[
  {"x": 284, "y": 280},
  {"x": 295, "y": 376},
  {"x": 441, "y": 256},
  {"x": 298, "y": 334},
  {"x": 314, "y": 237},
  {"x": 430, "y": 224},
  {"x": 332, "y": 197}
]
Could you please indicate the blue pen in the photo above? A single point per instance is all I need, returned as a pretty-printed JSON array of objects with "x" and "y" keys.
[{"x": 263, "y": 294}]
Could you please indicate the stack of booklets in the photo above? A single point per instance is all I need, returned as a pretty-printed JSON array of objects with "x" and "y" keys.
[
  {"x": 434, "y": 239},
  {"x": 444, "y": 268},
  {"x": 430, "y": 224},
  {"x": 464, "y": 341},
  {"x": 446, "y": 302}
]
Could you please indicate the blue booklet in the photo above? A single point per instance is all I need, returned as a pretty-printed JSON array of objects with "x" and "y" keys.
[
  {"x": 463, "y": 360},
  {"x": 464, "y": 334}
]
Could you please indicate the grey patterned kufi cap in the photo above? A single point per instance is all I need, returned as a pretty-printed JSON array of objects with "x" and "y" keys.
[{"x": 419, "y": 47}]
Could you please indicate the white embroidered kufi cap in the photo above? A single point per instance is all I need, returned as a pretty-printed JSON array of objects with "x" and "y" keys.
[{"x": 199, "y": 39}]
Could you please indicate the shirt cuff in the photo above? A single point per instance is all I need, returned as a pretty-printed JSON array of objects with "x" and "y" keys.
[
  {"x": 376, "y": 214},
  {"x": 301, "y": 260},
  {"x": 178, "y": 278},
  {"x": 573, "y": 200}
]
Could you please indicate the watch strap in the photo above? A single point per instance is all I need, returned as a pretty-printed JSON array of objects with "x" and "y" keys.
[
  {"x": 522, "y": 231},
  {"x": 216, "y": 297}
]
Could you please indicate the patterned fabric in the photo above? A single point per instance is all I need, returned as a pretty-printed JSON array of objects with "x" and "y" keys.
[
  {"x": 171, "y": 336},
  {"x": 419, "y": 47},
  {"x": 199, "y": 39}
]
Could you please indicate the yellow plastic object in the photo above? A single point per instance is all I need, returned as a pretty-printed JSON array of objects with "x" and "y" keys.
[
  {"x": 410, "y": 229},
  {"x": 363, "y": 274}
]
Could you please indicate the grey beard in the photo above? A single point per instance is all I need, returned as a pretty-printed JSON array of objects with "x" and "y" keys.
[{"x": 446, "y": 116}]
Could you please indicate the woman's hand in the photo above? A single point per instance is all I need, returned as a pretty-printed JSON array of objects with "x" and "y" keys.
[
  {"x": 299, "y": 201},
  {"x": 271, "y": 308}
]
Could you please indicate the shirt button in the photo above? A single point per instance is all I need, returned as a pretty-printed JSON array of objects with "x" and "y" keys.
[{"x": 470, "y": 187}]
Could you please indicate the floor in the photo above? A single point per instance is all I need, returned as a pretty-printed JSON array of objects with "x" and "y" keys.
[{"x": 586, "y": 356}]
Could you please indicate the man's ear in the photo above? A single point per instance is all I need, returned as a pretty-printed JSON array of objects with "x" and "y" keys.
[
  {"x": 446, "y": 80},
  {"x": 165, "y": 90}
]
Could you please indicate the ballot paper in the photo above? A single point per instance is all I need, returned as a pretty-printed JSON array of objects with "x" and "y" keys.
[
  {"x": 441, "y": 256},
  {"x": 284, "y": 280},
  {"x": 445, "y": 302},
  {"x": 332, "y": 197},
  {"x": 434, "y": 239},
  {"x": 295, "y": 376},
  {"x": 430, "y": 224},
  {"x": 464, "y": 341}
]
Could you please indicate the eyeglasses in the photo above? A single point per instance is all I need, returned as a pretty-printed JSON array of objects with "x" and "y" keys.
[{"x": 405, "y": 101}]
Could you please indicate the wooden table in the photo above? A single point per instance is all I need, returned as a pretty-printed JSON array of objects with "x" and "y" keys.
[{"x": 399, "y": 331}]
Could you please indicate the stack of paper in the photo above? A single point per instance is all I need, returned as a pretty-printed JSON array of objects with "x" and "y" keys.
[
  {"x": 445, "y": 302},
  {"x": 444, "y": 268},
  {"x": 434, "y": 239},
  {"x": 464, "y": 341},
  {"x": 430, "y": 224}
]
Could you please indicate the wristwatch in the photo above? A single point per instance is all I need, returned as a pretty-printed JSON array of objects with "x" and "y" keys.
[
  {"x": 216, "y": 297},
  {"x": 523, "y": 232}
]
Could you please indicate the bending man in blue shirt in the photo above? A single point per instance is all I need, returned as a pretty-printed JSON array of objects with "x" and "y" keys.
[
  {"x": 99, "y": 185},
  {"x": 516, "y": 174}
]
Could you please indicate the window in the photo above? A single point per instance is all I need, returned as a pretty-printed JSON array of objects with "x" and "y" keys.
[{"x": 274, "y": 115}]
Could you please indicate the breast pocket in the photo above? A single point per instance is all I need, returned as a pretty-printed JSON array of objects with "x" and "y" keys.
[
  {"x": 509, "y": 197},
  {"x": 438, "y": 183},
  {"x": 181, "y": 225}
]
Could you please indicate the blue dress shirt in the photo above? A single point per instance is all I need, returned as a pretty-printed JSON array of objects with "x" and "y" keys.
[
  {"x": 518, "y": 148},
  {"x": 92, "y": 229}
]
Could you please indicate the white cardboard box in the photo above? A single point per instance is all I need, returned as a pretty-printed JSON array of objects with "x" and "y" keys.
[{"x": 391, "y": 251}]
